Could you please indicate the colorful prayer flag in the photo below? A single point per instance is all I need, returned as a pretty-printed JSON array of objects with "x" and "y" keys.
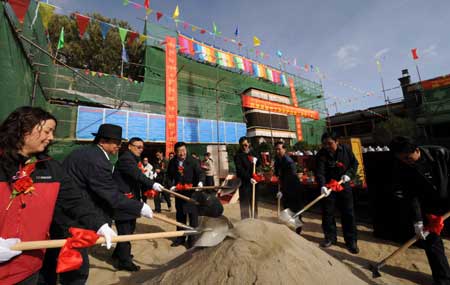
[
  {"x": 378, "y": 65},
  {"x": 82, "y": 22},
  {"x": 61, "y": 39},
  {"x": 279, "y": 53},
  {"x": 158, "y": 16},
  {"x": 256, "y": 41},
  {"x": 46, "y": 12},
  {"x": 124, "y": 54},
  {"x": 146, "y": 4},
  {"x": 20, "y": 8},
  {"x": 104, "y": 27},
  {"x": 176, "y": 13},
  {"x": 414, "y": 54},
  {"x": 123, "y": 34}
]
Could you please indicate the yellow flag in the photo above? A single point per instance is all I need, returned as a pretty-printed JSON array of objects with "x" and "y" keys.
[
  {"x": 142, "y": 38},
  {"x": 46, "y": 12},
  {"x": 148, "y": 11},
  {"x": 194, "y": 28},
  {"x": 176, "y": 13},
  {"x": 378, "y": 65},
  {"x": 256, "y": 41}
]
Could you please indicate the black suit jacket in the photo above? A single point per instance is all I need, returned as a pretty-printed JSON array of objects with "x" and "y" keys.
[
  {"x": 286, "y": 170},
  {"x": 244, "y": 167},
  {"x": 192, "y": 172},
  {"x": 130, "y": 179},
  {"x": 92, "y": 173}
]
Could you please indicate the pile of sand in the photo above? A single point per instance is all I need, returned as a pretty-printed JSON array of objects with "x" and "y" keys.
[{"x": 262, "y": 253}]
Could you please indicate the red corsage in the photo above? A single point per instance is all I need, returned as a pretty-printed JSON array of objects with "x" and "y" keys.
[
  {"x": 141, "y": 167},
  {"x": 181, "y": 170},
  {"x": 250, "y": 158},
  {"x": 23, "y": 183},
  {"x": 129, "y": 195},
  {"x": 340, "y": 164}
]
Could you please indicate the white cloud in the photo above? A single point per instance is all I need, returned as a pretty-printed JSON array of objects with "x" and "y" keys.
[
  {"x": 430, "y": 51},
  {"x": 346, "y": 56},
  {"x": 381, "y": 53}
]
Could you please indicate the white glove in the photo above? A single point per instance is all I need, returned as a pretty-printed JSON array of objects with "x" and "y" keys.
[
  {"x": 325, "y": 190},
  {"x": 418, "y": 229},
  {"x": 253, "y": 181},
  {"x": 173, "y": 188},
  {"x": 107, "y": 233},
  {"x": 255, "y": 160},
  {"x": 200, "y": 184},
  {"x": 279, "y": 195},
  {"x": 345, "y": 178},
  {"x": 146, "y": 211},
  {"x": 157, "y": 187},
  {"x": 5, "y": 252}
]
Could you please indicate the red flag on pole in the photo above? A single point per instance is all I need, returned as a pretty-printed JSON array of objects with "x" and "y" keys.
[
  {"x": 20, "y": 8},
  {"x": 414, "y": 54},
  {"x": 158, "y": 15},
  {"x": 131, "y": 37},
  {"x": 147, "y": 4},
  {"x": 82, "y": 22}
]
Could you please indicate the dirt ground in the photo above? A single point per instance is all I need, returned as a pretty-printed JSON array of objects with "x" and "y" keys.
[{"x": 409, "y": 268}]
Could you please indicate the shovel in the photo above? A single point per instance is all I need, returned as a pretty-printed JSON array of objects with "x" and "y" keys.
[
  {"x": 375, "y": 268},
  {"x": 178, "y": 195},
  {"x": 212, "y": 231},
  {"x": 208, "y": 188},
  {"x": 288, "y": 217}
]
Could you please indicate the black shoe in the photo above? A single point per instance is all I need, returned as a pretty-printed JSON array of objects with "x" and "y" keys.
[
  {"x": 129, "y": 266},
  {"x": 298, "y": 230},
  {"x": 178, "y": 242},
  {"x": 158, "y": 211},
  {"x": 352, "y": 248},
  {"x": 327, "y": 243}
]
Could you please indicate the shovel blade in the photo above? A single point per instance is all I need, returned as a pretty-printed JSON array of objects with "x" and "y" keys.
[
  {"x": 214, "y": 231},
  {"x": 286, "y": 215},
  {"x": 375, "y": 270}
]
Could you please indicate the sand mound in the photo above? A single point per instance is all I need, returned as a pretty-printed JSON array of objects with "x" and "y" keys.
[{"x": 262, "y": 253}]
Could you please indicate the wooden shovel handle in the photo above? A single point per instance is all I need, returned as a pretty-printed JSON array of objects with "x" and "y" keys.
[
  {"x": 178, "y": 195},
  {"x": 253, "y": 193},
  {"x": 312, "y": 203},
  {"x": 171, "y": 221},
  {"x": 31, "y": 245},
  {"x": 404, "y": 247}
]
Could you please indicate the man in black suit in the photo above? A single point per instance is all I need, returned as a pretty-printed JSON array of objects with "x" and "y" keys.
[
  {"x": 92, "y": 172},
  {"x": 130, "y": 179},
  {"x": 160, "y": 165},
  {"x": 184, "y": 172},
  {"x": 244, "y": 160}
]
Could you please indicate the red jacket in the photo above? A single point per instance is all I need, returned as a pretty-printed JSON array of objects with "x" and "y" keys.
[{"x": 30, "y": 215}]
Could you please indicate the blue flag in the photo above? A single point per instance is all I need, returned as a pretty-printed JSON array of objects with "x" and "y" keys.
[
  {"x": 279, "y": 53},
  {"x": 236, "y": 33},
  {"x": 104, "y": 27},
  {"x": 124, "y": 54}
]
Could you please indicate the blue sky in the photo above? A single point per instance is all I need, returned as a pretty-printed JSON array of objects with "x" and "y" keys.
[{"x": 342, "y": 38}]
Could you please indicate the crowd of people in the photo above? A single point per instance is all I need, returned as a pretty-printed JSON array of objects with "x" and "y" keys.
[{"x": 41, "y": 198}]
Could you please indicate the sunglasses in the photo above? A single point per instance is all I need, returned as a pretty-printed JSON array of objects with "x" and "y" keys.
[{"x": 138, "y": 147}]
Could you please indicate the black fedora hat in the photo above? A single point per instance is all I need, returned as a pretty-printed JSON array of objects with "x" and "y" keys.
[{"x": 109, "y": 131}]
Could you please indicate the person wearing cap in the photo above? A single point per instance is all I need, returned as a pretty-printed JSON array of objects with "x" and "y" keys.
[
  {"x": 184, "y": 172},
  {"x": 92, "y": 172},
  {"x": 130, "y": 179}
]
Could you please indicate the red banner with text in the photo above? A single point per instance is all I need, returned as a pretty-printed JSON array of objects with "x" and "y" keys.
[
  {"x": 298, "y": 121},
  {"x": 171, "y": 94}
]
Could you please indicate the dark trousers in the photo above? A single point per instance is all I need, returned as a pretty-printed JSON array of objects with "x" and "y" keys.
[
  {"x": 344, "y": 201},
  {"x": 123, "y": 249},
  {"x": 245, "y": 200},
  {"x": 185, "y": 209},
  {"x": 48, "y": 276},
  {"x": 209, "y": 181},
  {"x": 434, "y": 249},
  {"x": 292, "y": 198},
  {"x": 158, "y": 199}
]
